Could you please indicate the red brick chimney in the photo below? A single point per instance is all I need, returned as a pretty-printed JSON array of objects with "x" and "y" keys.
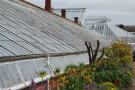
[
  {"x": 48, "y": 5},
  {"x": 63, "y": 13},
  {"x": 76, "y": 20}
]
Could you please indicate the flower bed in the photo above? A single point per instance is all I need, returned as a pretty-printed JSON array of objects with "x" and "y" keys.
[
  {"x": 111, "y": 73},
  {"x": 108, "y": 74},
  {"x": 114, "y": 71}
]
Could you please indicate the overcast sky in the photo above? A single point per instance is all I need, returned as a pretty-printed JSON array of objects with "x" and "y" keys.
[{"x": 120, "y": 11}]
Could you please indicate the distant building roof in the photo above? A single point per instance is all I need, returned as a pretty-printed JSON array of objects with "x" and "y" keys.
[{"x": 73, "y": 12}]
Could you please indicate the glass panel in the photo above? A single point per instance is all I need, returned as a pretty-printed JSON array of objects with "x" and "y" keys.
[
  {"x": 18, "y": 50},
  {"x": 2, "y": 85},
  {"x": 30, "y": 47},
  {"x": 39, "y": 39},
  {"x": 70, "y": 60},
  {"x": 67, "y": 48},
  {"x": 10, "y": 75},
  {"x": 1, "y": 54},
  {"x": 60, "y": 47},
  {"x": 13, "y": 73},
  {"x": 62, "y": 61},
  {"x": 2, "y": 38},
  {"x": 6, "y": 76},
  {"x": 2, "y": 29},
  {"x": 28, "y": 70},
  {"x": 76, "y": 59},
  {"x": 53, "y": 48},
  {"x": 42, "y": 65},
  {"x": 43, "y": 47},
  {"x": 12, "y": 36},
  {"x": 86, "y": 58},
  {"x": 27, "y": 38},
  {"x": 55, "y": 63},
  {"x": 81, "y": 58}
]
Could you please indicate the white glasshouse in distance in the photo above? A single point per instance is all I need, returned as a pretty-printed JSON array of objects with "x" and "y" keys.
[
  {"x": 99, "y": 25},
  {"x": 73, "y": 12},
  {"x": 34, "y": 40}
]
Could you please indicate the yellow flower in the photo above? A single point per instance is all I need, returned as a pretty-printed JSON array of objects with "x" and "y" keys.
[
  {"x": 108, "y": 84},
  {"x": 81, "y": 73},
  {"x": 67, "y": 72},
  {"x": 60, "y": 84},
  {"x": 63, "y": 78},
  {"x": 57, "y": 74},
  {"x": 112, "y": 89},
  {"x": 51, "y": 81},
  {"x": 67, "y": 81},
  {"x": 42, "y": 75},
  {"x": 87, "y": 76},
  {"x": 89, "y": 80},
  {"x": 73, "y": 70},
  {"x": 88, "y": 67},
  {"x": 94, "y": 68}
]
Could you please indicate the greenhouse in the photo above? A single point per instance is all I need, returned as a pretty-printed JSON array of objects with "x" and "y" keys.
[
  {"x": 98, "y": 25},
  {"x": 101, "y": 25},
  {"x": 73, "y": 12},
  {"x": 33, "y": 40}
]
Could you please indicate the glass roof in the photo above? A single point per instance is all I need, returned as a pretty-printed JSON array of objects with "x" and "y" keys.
[
  {"x": 25, "y": 30},
  {"x": 101, "y": 26}
]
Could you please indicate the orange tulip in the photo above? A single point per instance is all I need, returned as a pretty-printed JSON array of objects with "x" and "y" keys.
[{"x": 89, "y": 80}]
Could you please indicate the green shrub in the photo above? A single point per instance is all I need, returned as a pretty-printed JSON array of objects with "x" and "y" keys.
[
  {"x": 120, "y": 49},
  {"x": 107, "y": 67}
]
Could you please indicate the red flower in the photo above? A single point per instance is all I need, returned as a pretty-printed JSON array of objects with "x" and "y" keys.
[
  {"x": 114, "y": 80},
  {"x": 125, "y": 86},
  {"x": 118, "y": 84}
]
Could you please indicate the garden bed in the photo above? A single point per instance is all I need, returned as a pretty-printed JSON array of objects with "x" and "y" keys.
[
  {"x": 111, "y": 73},
  {"x": 107, "y": 74}
]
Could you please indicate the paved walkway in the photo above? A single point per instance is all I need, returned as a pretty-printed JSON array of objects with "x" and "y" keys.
[{"x": 133, "y": 88}]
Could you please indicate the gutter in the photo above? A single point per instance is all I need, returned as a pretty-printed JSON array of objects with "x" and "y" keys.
[{"x": 34, "y": 56}]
